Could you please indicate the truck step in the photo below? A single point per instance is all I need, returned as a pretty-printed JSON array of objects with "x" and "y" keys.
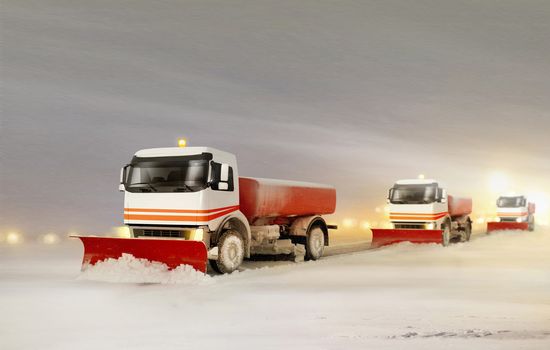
[{"x": 280, "y": 247}]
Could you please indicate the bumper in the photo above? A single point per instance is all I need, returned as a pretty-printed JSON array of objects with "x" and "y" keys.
[{"x": 383, "y": 237}]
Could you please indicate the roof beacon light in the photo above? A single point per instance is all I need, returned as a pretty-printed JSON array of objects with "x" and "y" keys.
[{"x": 182, "y": 142}]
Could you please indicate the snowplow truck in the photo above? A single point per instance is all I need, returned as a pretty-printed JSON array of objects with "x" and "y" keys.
[
  {"x": 422, "y": 212},
  {"x": 513, "y": 213},
  {"x": 189, "y": 206}
]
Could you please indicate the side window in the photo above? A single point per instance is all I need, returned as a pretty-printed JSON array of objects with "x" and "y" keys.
[{"x": 216, "y": 175}]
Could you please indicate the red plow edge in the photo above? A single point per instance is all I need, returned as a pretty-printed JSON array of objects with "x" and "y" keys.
[
  {"x": 502, "y": 226},
  {"x": 383, "y": 237},
  {"x": 172, "y": 252}
]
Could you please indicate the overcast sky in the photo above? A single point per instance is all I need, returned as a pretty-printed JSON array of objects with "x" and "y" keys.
[{"x": 352, "y": 93}]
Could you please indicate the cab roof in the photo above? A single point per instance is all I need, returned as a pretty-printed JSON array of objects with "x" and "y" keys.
[
  {"x": 176, "y": 151},
  {"x": 416, "y": 182}
]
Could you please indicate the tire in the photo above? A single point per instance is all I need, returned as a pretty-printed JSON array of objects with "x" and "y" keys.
[
  {"x": 315, "y": 243},
  {"x": 214, "y": 266},
  {"x": 446, "y": 235},
  {"x": 467, "y": 232},
  {"x": 230, "y": 252}
]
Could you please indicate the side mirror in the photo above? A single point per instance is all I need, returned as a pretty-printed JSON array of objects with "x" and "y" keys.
[
  {"x": 390, "y": 194},
  {"x": 224, "y": 172},
  {"x": 121, "y": 186}
]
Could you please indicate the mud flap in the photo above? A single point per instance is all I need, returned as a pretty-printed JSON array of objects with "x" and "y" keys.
[
  {"x": 383, "y": 237},
  {"x": 172, "y": 252},
  {"x": 503, "y": 226}
]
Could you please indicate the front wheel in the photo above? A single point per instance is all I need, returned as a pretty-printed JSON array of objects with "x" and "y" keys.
[
  {"x": 315, "y": 243},
  {"x": 230, "y": 252},
  {"x": 446, "y": 235}
]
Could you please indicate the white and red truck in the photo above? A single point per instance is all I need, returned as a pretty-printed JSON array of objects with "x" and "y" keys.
[
  {"x": 513, "y": 213},
  {"x": 190, "y": 206},
  {"x": 421, "y": 211}
]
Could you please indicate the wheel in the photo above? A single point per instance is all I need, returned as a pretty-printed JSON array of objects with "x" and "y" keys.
[
  {"x": 467, "y": 232},
  {"x": 230, "y": 252},
  {"x": 446, "y": 235},
  {"x": 315, "y": 243},
  {"x": 214, "y": 266}
]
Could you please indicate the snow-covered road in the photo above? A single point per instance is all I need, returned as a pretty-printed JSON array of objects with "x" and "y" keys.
[{"x": 491, "y": 293}]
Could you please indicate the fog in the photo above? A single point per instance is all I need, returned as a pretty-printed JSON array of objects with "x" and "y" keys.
[{"x": 354, "y": 94}]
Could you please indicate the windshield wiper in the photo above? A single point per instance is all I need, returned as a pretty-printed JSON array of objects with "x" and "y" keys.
[
  {"x": 145, "y": 183},
  {"x": 183, "y": 188}
]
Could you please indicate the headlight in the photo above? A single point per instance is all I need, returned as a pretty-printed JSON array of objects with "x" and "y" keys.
[
  {"x": 198, "y": 234},
  {"x": 430, "y": 226},
  {"x": 498, "y": 219},
  {"x": 194, "y": 234},
  {"x": 519, "y": 219}
]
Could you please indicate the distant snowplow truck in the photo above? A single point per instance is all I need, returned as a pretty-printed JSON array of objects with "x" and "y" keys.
[
  {"x": 422, "y": 212},
  {"x": 513, "y": 213},
  {"x": 189, "y": 206}
]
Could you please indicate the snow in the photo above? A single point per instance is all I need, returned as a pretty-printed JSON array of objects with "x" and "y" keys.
[
  {"x": 490, "y": 293},
  {"x": 128, "y": 269}
]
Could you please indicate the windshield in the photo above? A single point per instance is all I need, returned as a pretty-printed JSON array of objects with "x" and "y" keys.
[
  {"x": 168, "y": 174},
  {"x": 413, "y": 194},
  {"x": 510, "y": 202}
]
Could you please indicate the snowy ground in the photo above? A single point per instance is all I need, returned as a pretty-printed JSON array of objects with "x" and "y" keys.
[{"x": 491, "y": 293}]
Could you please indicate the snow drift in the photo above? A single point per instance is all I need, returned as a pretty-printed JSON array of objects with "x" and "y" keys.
[
  {"x": 128, "y": 269},
  {"x": 490, "y": 293}
]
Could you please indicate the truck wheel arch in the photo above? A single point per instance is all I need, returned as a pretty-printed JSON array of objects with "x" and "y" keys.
[
  {"x": 238, "y": 224},
  {"x": 302, "y": 225}
]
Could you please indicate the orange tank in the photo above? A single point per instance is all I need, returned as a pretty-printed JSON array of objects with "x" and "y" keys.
[
  {"x": 459, "y": 206},
  {"x": 265, "y": 200}
]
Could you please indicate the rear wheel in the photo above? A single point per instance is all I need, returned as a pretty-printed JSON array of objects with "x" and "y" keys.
[
  {"x": 315, "y": 243},
  {"x": 467, "y": 232},
  {"x": 230, "y": 252}
]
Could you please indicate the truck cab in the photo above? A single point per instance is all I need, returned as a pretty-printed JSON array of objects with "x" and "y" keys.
[
  {"x": 422, "y": 204},
  {"x": 188, "y": 193},
  {"x": 417, "y": 204},
  {"x": 516, "y": 209},
  {"x": 190, "y": 188}
]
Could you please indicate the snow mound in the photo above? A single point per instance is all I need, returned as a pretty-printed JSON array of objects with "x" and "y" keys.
[{"x": 128, "y": 269}]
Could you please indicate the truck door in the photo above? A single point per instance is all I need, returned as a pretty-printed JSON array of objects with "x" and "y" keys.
[{"x": 224, "y": 192}]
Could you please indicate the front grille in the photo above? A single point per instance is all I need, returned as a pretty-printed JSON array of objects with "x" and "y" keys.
[
  {"x": 409, "y": 225},
  {"x": 508, "y": 219},
  {"x": 157, "y": 233}
]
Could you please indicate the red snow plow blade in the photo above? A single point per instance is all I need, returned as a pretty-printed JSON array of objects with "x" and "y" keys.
[
  {"x": 500, "y": 226},
  {"x": 172, "y": 252},
  {"x": 382, "y": 237}
]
